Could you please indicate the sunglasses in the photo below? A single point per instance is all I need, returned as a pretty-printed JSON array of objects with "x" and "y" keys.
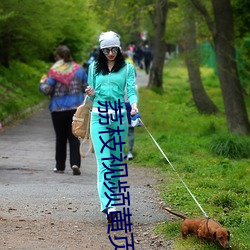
[{"x": 106, "y": 51}]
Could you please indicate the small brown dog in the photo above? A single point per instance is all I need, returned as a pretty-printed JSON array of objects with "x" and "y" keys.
[{"x": 204, "y": 229}]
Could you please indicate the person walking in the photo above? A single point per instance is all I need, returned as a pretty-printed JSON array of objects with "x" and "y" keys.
[
  {"x": 131, "y": 129},
  {"x": 108, "y": 78},
  {"x": 147, "y": 54},
  {"x": 65, "y": 83},
  {"x": 130, "y": 132}
]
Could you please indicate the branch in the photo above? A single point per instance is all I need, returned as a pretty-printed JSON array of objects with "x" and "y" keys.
[
  {"x": 172, "y": 5},
  {"x": 202, "y": 9}
]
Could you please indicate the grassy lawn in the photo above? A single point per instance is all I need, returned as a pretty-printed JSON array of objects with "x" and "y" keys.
[{"x": 214, "y": 164}]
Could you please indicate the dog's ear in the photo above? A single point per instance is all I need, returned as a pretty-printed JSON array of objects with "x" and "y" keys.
[
  {"x": 214, "y": 235},
  {"x": 228, "y": 237}
]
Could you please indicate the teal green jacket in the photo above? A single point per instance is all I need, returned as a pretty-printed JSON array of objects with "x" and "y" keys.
[{"x": 112, "y": 86}]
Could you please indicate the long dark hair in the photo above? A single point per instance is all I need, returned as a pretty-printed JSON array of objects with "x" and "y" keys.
[{"x": 102, "y": 67}]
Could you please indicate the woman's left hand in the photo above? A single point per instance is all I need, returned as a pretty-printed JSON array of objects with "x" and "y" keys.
[{"x": 134, "y": 109}]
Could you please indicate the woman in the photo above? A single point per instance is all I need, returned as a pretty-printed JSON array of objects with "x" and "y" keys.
[
  {"x": 108, "y": 77},
  {"x": 65, "y": 83}
]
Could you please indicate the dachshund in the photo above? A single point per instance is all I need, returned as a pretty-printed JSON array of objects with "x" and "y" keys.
[{"x": 204, "y": 229}]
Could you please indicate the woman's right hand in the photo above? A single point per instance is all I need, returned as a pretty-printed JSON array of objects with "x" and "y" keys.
[
  {"x": 43, "y": 79},
  {"x": 90, "y": 91},
  {"x": 134, "y": 109}
]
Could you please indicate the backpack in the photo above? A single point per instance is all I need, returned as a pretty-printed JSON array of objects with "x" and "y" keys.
[{"x": 81, "y": 126}]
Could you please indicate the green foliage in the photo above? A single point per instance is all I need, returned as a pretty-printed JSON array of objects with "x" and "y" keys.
[
  {"x": 241, "y": 17},
  {"x": 175, "y": 25},
  {"x": 128, "y": 18},
  {"x": 176, "y": 18},
  {"x": 29, "y": 33},
  {"x": 231, "y": 146},
  {"x": 19, "y": 87},
  {"x": 243, "y": 59},
  {"x": 219, "y": 183}
]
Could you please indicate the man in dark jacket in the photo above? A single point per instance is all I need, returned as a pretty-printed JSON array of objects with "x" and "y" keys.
[{"x": 147, "y": 58}]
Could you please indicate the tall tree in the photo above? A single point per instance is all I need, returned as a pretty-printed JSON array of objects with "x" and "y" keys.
[
  {"x": 201, "y": 99},
  {"x": 159, "y": 44},
  {"x": 223, "y": 38}
]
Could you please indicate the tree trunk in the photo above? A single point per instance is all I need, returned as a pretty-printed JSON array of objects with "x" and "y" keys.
[
  {"x": 159, "y": 46},
  {"x": 223, "y": 38},
  {"x": 235, "y": 109},
  {"x": 201, "y": 99}
]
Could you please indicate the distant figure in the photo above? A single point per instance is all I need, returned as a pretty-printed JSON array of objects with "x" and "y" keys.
[
  {"x": 147, "y": 54},
  {"x": 128, "y": 108},
  {"x": 93, "y": 55},
  {"x": 138, "y": 56},
  {"x": 130, "y": 52},
  {"x": 65, "y": 84}
]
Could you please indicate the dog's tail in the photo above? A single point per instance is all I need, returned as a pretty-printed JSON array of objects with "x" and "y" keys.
[{"x": 175, "y": 213}]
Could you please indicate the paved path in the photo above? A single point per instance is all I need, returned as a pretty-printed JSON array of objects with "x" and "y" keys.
[
  {"x": 141, "y": 78},
  {"x": 31, "y": 191}
]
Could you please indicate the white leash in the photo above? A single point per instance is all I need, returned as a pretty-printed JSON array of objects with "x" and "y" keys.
[{"x": 174, "y": 170}]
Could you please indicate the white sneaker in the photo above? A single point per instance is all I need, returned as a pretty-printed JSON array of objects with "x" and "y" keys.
[
  {"x": 112, "y": 209},
  {"x": 111, "y": 212},
  {"x": 129, "y": 156}
]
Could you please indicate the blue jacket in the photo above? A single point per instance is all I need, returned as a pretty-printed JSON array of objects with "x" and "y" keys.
[{"x": 65, "y": 97}]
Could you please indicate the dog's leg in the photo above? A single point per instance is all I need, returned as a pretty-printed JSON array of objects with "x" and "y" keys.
[{"x": 184, "y": 235}]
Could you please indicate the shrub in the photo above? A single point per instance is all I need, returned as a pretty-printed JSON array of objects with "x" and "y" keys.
[{"x": 231, "y": 146}]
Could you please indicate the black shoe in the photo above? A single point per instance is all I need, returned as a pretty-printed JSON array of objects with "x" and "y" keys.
[
  {"x": 58, "y": 171},
  {"x": 76, "y": 170}
]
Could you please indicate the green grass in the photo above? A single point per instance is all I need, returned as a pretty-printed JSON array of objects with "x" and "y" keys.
[
  {"x": 214, "y": 164},
  {"x": 19, "y": 88}
]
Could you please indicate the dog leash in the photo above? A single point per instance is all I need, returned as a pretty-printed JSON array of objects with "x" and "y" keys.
[{"x": 174, "y": 169}]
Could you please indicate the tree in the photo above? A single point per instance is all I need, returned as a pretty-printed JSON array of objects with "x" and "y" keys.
[
  {"x": 223, "y": 38},
  {"x": 127, "y": 17},
  {"x": 28, "y": 33},
  {"x": 201, "y": 99},
  {"x": 159, "y": 46}
]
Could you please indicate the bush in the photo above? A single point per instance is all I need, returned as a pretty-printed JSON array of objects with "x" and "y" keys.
[
  {"x": 19, "y": 88},
  {"x": 231, "y": 146}
]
